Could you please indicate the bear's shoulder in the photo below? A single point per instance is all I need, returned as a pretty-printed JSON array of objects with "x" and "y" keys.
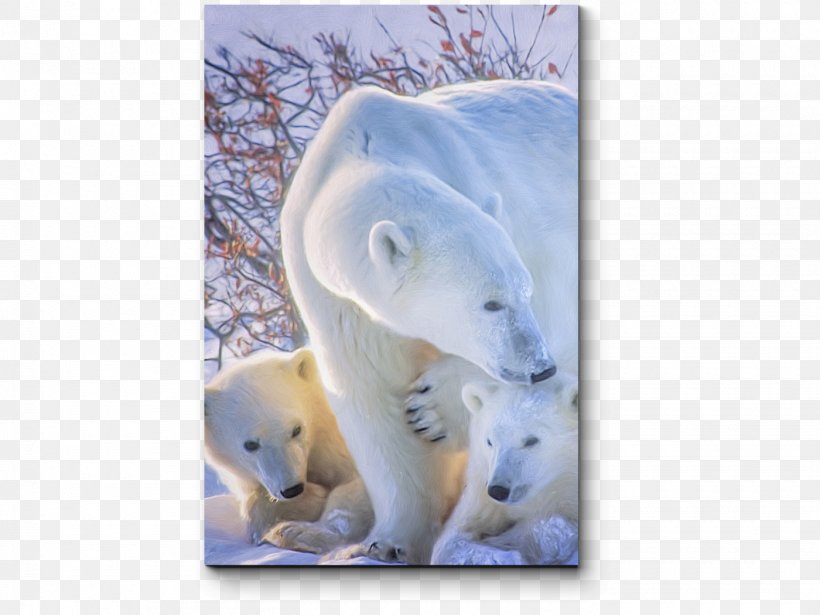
[{"x": 500, "y": 95}]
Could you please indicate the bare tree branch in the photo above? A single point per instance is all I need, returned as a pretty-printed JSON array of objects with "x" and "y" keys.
[{"x": 261, "y": 112}]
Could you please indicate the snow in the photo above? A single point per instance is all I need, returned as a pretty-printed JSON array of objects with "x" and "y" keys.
[
  {"x": 225, "y": 542},
  {"x": 226, "y": 545}
]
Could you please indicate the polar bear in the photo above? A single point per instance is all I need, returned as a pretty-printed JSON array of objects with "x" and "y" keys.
[
  {"x": 547, "y": 243},
  {"x": 413, "y": 228},
  {"x": 275, "y": 444},
  {"x": 520, "y": 503}
]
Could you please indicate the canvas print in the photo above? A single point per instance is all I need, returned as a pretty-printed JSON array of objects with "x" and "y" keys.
[{"x": 391, "y": 285}]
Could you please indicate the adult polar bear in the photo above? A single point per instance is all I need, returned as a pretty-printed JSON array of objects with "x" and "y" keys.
[{"x": 412, "y": 226}]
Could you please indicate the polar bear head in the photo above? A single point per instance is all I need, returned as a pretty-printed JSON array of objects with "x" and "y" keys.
[
  {"x": 428, "y": 263},
  {"x": 527, "y": 436},
  {"x": 258, "y": 420}
]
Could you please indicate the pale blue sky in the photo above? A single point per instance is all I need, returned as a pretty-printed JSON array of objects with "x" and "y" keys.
[{"x": 409, "y": 25}]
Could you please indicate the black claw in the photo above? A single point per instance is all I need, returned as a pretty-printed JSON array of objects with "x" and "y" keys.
[
  {"x": 421, "y": 429},
  {"x": 414, "y": 422},
  {"x": 413, "y": 409},
  {"x": 393, "y": 554},
  {"x": 424, "y": 389},
  {"x": 437, "y": 438}
]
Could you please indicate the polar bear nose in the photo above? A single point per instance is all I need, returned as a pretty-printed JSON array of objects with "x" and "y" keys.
[
  {"x": 547, "y": 373},
  {"x": 292, "y": 492},
  {"x": 498, "y": 492}
]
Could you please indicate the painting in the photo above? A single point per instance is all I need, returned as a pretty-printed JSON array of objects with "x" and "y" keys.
[{"x": 391, "y": 285}]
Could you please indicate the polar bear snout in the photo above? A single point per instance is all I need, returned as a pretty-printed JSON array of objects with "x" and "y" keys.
[
  {"x": 539, "y": 359},
  {"x": 542, "y": 369},
  {"x": 525, "y": 356},
  {"x": 292, "y": 492},
  {"x": 282, "y": 471}
]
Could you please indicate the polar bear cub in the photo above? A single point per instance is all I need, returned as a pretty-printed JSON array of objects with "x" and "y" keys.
[
  {"x": 520, "y": 503},
  {"x": 273, "y": 440}
]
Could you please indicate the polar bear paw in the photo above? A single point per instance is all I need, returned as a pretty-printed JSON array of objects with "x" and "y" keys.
[
  {"x": 426, "y": 424},
  {"x": 434, "y": 407},
  {"x": 301, "y": 536},
  {"x": 468, "y": 553},
  {"x": 381, "y": 551},
  {"x": 386, "y": 552},
  {"x": 420, "y": 411},
  {"x": 557, "y": 539}
]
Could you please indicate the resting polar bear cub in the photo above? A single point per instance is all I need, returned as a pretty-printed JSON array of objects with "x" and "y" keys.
[
  {"x": 412, "y": 227},
  {"x": 274, "y": 442},
  {"x": 520, "y": 503}
]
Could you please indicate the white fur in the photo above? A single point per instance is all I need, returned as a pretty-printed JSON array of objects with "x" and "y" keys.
[
  {"x": 406, "y": 216},
  {"x": 540, "y": 215},
  {"x": 263, "y": 399},
  {"x": 538, "y": 523}
]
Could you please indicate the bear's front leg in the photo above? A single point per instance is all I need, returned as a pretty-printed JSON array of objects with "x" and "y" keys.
[
  {"x": 410, "y": 485},
  {"x": 260, "y": 511},
  {"x": 405, "y": 526},
  {"x": 263, "y": 512},
  {"x": 433, "y": 409},
  {"x": 347, "y": 519},
  {"x": 461, "y": 550},
  {"x": 411, "y": 498}
]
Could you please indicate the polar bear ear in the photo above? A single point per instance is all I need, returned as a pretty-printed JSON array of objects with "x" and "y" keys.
[
  {"x": 304, "y": 363},
  {"x": 492, "y": 205},
  {"x": 389, "y": 245},
  {"x": 475, "y": 395}
]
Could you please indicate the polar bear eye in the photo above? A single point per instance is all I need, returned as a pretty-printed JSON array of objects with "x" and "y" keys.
[
  {"x": 489, "y": 443},
  {"x": 251, "y": 446},
  {"x": 296, "y": 431},
  {"x": 493, "y": 306},
  {"x": 531, "y": 441}
]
